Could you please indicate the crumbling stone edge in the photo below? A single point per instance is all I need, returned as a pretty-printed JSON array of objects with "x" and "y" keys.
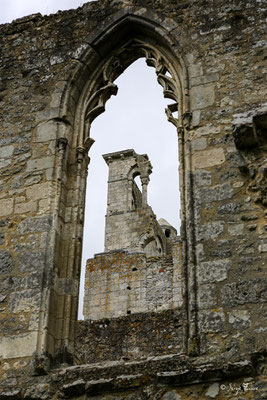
[{"x": 116, "y": 376}]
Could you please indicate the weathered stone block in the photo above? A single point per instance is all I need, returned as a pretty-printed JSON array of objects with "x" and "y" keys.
[
  {"x": 213, "y": 271},
  {"x": 35, "y": 224},
  {"x": 202, "y": 96},
  {"x": 206, "y": 130},
  {"x": 195, "y": 68},
  {"x": 263, "y": 247},
  {"x": 211, "y": 230},
  {"x": 236, "y": 229},
  {"x": 46, "y": 131},
  {"x": 47, "y": 115},
  {"x": 228, "y": 208},
  {"x": 171, "y": 396},
  {"x": 213, "y": 391},
  {"x": 212, "y": 321},
  {"x": 219, "y": 252},
  {"x": 208, "y": 158},
  {"x": 5, "y": 163},
  {"x": 202, "y": 178},
  {"x": 38, "y": 191},
  {"x": 202, "y": 80},
  {"x": 25, "y": 300},
  {"x": 239, "y": 319},
  {"x": 207, "y": 296},
  {"x": 11, "y": 394},
  {"x": 23, "y": 208},
  {"x": 214, "y": 193},
  {"x": 23, "y": 345},
  {"x": 196, "y": 116},
  {"x": 6, "y": 151},
  {"x": 198, "y": 144},
  {"x": 6, "y": 262},
  {"x": 34, "y": 322},
  {"x": 40, "y": 164},
  {"x": 6, "y": 207},
  {"x": 44, "y": 206},
  {"x": 41, "y": 391},
  {"x": 253, "y": 291}
]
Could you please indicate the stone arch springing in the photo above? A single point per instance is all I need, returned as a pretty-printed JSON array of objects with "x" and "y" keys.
[{"x": 100, "y": 61}]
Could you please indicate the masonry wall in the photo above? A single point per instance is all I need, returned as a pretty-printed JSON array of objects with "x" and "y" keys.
[
  {"x": 223, "y": 185},
  {"x": 132, "y": 230},
  {"x": 120, "y": 283},
  {"x": 134, "y": 337}
]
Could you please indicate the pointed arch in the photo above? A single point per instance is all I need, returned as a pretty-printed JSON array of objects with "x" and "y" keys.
[
  {"x": 104, "y": 55},
  {"x": 107, "y": 52}
]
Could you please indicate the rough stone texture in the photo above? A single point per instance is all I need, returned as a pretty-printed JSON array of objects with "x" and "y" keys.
[
  {"x": 207, "y": 158},
  {"x": 213, "y": 271},
  {"x": 5, "y": 262},
  {"x": 133, "y": 337},
  {"x": 253, "y": 291},
  {"x": 56, "y": 74},
  {"x": 212, "y": 321},
  {"x": 120, "y": 283}
]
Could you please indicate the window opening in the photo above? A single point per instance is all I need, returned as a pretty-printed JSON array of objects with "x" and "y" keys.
[
  {"x": 167, "y": 233},
  {"x": 135, "y": 118}
]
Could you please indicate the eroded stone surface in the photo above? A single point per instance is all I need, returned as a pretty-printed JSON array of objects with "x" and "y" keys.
[{"x": 209, "y": 59}]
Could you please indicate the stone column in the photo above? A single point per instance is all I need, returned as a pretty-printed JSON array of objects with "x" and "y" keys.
[{"x": 144, "y": 182}]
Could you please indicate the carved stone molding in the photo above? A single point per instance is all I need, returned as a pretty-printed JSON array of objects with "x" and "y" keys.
[
  {"x": 62, "y": 145},
  {"x": 123, "y": 57},
  {"x": 96, "y": 103}
]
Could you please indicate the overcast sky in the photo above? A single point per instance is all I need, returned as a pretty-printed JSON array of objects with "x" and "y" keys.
[{"x": 134, "y": 119}]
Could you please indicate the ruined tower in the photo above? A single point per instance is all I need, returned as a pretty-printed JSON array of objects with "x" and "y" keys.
[
  {"x": 130, "y": 222},
  {"x": 140, "y": 270}
]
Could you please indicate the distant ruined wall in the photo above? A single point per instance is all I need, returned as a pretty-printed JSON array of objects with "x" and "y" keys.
[
  {"x": 56, "y": 74},
  {"x": 118, "y": 283}
]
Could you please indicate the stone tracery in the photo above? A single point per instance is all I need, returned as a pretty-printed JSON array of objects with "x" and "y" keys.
[{"x": 128, "y": 53}]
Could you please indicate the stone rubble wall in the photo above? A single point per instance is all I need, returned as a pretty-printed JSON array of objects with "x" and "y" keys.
[
  {"x": 135, "y": 337},
  {"x": 45, "y": 63}
]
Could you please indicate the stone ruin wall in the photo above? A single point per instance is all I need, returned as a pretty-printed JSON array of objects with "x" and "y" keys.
[
  {"x": 120, "y": 283},
  {"x": 45, "y": 64}
]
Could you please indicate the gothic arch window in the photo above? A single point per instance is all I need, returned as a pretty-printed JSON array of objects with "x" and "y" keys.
[{"x": 101, "y": 59}]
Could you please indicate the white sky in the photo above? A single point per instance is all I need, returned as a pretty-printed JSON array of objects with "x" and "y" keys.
[
  {"x": 135, "y": 118},
  {"x": 12, "y": 9}
]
